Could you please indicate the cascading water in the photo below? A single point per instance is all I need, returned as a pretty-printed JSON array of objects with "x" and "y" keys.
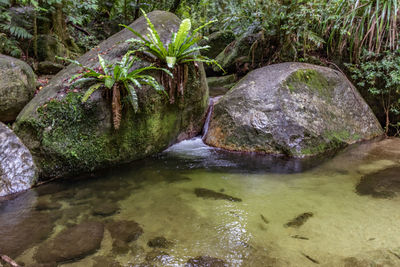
[{"x": 208, "y": 118}]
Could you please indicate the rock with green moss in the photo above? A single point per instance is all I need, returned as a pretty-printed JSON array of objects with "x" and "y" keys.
[
  {"x": 67, "y": 137},
  {"x": 294, "y": 109},
  {"x": 17, "y": 87}
]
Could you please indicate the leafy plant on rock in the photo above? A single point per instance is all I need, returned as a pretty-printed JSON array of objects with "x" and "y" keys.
[
  {"x": 119, "y": 80},
  {"x": 181, "y": 50}
]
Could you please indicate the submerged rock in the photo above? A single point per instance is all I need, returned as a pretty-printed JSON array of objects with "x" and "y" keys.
[
  {"x": 17, "y": 87},
  {"x": 207, "y": 194},
  {"x": 293, "y": 109},
  {"x": 67, "y": 137},
  {"x": 381, "y": 184},
  {"x": 20, "y": 231},
  {"x": 72, "y": 243},
  {"x": 105, "y": 208},
  {"x": 159, "y": 242},
  {"x": 47, "y": 205},
  {"x": 122, "y": 233},
  {"x": 205, "y": 261},
  {"x": 17, "y": 169},
  {"x": 299, "y": 220},
  {"x": 102, "y": 261}
]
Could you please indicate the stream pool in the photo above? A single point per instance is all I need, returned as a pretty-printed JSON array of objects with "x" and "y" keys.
[{"x": 198, "y": 206}]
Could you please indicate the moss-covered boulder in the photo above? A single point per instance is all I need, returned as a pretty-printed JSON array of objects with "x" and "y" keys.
[
  {"x": 291, "y": 108},
  {"x": 17, "y": 87},
  {"x": 67, "y": 137}
]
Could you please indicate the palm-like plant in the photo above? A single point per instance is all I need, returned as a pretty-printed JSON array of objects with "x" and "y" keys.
[
  {"x": 119, "y": 79},
  {"x": 359, "y": 24},
  {"x": 181, "y": 50}
]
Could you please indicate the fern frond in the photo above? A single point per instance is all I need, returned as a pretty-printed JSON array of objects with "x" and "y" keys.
[{"x": 90, "y": 91}]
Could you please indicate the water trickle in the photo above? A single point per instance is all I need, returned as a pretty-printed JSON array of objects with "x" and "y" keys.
[{"x": 208, "y": 118}]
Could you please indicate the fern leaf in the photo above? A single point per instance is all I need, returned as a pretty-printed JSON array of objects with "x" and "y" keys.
[
  {"x": 90, "y": 91},
  {"x": 182, "y": 34},
  {"x": 132, "y": 96}
]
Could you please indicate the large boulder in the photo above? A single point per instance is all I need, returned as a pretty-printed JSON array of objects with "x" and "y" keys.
[
  {"x": 291, "y": 108},
  {"x": 17, "y": 87},
  {"x": 17, "y": 169},
  {"x": 67, "y": 137}
]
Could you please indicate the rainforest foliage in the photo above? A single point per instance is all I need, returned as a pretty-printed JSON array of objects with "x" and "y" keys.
[{"x": 359, "y": 37}]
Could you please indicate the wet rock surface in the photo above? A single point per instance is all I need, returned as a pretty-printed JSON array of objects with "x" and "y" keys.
[
  {"x": 381, "y": 184},
  {"x": 210, "y": 194},
  {"x": 17, "y": 169},
  {"x": 72, "y": 243},
  {"x": 292, "y": 109},
  {"x": 205, "y": 261},
  {"x": 299, "y": 220}
]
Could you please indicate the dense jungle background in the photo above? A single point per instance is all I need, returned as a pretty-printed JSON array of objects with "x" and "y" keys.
[{"x": 359, "y": 38}]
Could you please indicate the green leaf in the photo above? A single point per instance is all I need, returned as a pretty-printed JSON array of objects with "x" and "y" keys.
[
  {"x": 171, "y": 61},
  {"x": 103, "y": 65},
  {"x": 109, "y": 82},
  {"x": 90, "y": 91},
  {"x": 182, "y": 34},
  {"x": 132, "y": 96}
]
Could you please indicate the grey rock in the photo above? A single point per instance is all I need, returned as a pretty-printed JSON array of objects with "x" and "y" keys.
[
  {"x": 17, "y": 169},
  {"x": 293, "y": 109},
  {"x": 17, "y": 87}
]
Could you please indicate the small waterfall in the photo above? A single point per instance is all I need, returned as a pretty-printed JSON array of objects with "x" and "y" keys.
[{"x": 208, "y": 118}]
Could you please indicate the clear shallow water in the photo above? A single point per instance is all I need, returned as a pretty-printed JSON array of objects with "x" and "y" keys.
[{"x": 346, "y": 229}]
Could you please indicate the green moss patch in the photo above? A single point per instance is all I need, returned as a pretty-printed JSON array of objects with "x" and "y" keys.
[{"x": 310, "y": 80}]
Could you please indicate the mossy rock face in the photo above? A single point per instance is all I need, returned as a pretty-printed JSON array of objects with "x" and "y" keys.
[
  {"x": 68, "y": 138},
  {"x": 17, "y": 87},
  {"x": 217, "y": 42},
  {"x": 294, "y": 109}
]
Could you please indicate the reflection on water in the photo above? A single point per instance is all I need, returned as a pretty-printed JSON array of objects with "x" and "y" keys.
[{"x": 152, "y": 217}]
